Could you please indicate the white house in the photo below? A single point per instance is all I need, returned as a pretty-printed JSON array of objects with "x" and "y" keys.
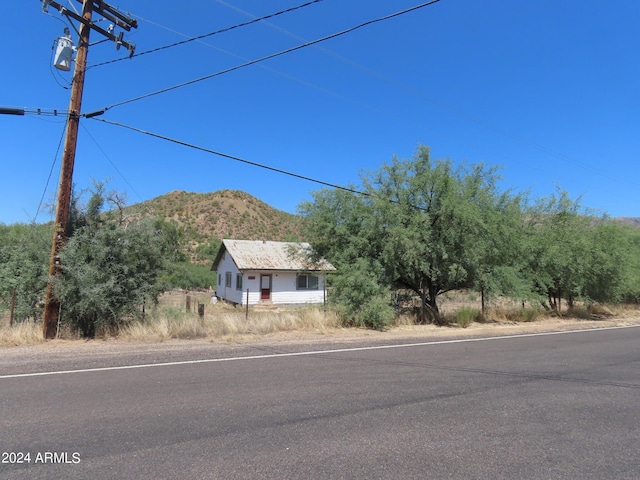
[{"x": 255, "y": 271}]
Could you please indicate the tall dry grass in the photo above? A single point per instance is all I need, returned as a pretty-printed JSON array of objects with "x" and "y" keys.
[
  {"x": 224, "y": 323},
  {"x": 170, "y": 320},
  {"x": 24, "y": 333}
]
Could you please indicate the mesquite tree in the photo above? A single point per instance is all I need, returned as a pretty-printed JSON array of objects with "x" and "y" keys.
[{"x": 421, "y": 225}]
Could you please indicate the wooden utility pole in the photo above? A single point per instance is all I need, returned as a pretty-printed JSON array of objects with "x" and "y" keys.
[{"x": 52, "y": 304}]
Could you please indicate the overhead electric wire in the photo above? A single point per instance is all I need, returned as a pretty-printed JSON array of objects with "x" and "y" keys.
[
  {"x": 445, "y": 106},
  {"x": 200, "y": 37},
  {"x": 53, "y": 164},
  {"x": 184, "y": 35},
  {"x": 256, "y": 164},
  {"x": 232, "y": 157},
  {"x": 110, "y": 161},
  {"x": 274, "y": 55}
]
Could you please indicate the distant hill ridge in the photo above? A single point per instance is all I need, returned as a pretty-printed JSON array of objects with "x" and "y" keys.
[
  {"x": 221, "y": 214},
  {"x": 633, "y": 221}
]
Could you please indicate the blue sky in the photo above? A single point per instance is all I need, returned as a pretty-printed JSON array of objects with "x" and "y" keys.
[{"x": 548, "y": 90}]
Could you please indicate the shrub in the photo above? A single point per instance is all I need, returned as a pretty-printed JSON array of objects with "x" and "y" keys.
[
  {"x": 108, "y": 276},
  {"x": 376, "y": 314},
  {"x": 467, "y": 315},
  {"x": 360, "y": 299},
  {"x": 24, "y": 254}
]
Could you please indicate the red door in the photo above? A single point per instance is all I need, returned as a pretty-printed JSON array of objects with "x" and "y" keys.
[{"x": 265, "y": 287}]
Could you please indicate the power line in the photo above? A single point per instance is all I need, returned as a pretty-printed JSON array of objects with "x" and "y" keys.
[
  {"x": 200, "y": 37},
  {"x": 110, "y": 161},
  {"x": 232, "y": 157},
  {"x": 273, "y": 55},
  {"x": 53, "y": 164},
  {"x": 445, "y": 106},
  {"x": 260, "y": 165}
]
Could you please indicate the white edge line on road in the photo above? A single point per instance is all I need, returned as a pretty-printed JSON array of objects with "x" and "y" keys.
[{"x": 312, "y": 352}]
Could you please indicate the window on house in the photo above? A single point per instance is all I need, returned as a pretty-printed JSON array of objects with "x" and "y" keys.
[
  {"x": 238, "y": 281},
  {"x": 219, "y": 279},
  {"x": 227, "y": 279},
  {"x": 307, "y": 281}
]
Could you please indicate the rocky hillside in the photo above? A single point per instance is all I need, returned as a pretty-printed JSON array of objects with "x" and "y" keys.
[{"x": 207, "y": 217}]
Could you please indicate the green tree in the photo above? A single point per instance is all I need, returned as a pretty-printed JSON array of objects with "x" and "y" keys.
[
  {"x": 24, "y": 255},
  {"x": 173, "y": 236},
  {"x": 109, "y": 274},
  {"x": 499, "y": 249},
  {"x": 559, "y": 253},
  {"x": 208, "y": 251},
  {"x": 188, "y": 275},
  {"x": 613, "y": 263},
  {"x": 361, "y": 299},
  {"x": 95, "y": 205},
  {"x": 421, "y": 225},
  {"x": 631, "y": 284},
  {"x": 575, "y": 254}
]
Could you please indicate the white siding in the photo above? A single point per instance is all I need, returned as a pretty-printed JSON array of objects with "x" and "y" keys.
[
  {"x": 222, "y": 291},
  {"x": 285, "y": 291},
  {"x": 253, "y": 286},
  {"x": 283, "y": 287}
]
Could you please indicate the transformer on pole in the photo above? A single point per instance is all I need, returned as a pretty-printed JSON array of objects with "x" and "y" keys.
[{"x": 64, "y": 51}]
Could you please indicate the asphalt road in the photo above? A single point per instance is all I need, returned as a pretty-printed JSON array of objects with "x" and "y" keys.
[{"x": 531, "y": 407}]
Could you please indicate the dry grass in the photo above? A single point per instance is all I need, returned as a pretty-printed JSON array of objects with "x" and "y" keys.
[
  {"x": 224, "y": 323},
  {"x": 515, "y": 314},
  {"x": 25, "y": 333},
  {"x": 404, "y": 320},
  {"x": 171, "y": 320},
  {"x": 219, "y": 323}
]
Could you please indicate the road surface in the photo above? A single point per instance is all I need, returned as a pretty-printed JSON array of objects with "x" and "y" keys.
[{"x": 563, "y": 406}]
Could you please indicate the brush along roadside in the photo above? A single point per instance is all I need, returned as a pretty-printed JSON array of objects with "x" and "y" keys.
[{"x": 170, "y": 320}]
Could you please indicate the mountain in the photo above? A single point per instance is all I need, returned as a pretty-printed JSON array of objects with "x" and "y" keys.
[
  {"x": 209, "y": 217},
  {"x": 633, "y": 221}
]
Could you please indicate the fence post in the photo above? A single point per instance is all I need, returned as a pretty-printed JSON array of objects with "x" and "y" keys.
[
  {"x": 324, "y": 294},
  {"x": 201, "y": 310},
  {"x": 188, "y": 303},
  {"x": 246, "y": 315}
]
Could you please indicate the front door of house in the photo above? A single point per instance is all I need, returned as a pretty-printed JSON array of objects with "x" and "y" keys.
[{"x": 265, "y": 287}]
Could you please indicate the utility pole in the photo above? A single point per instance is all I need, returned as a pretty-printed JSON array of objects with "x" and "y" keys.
[{"x": 52, "y": 304}]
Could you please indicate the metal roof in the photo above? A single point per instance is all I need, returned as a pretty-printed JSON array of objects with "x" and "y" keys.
[{"x": 266, "y": 255}]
